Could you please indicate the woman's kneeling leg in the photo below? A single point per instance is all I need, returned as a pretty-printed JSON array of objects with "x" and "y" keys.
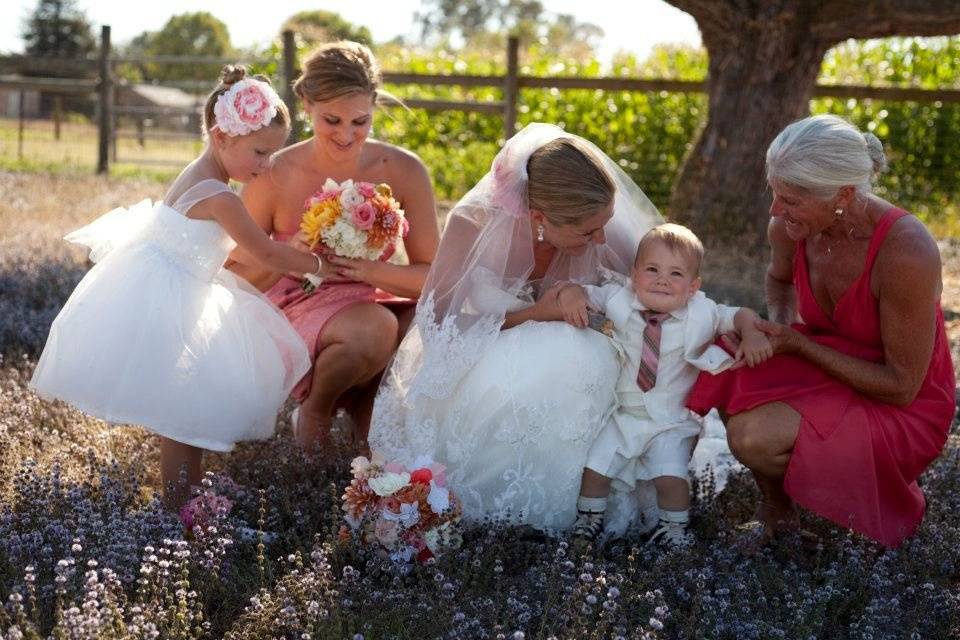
[{"x": 355, "y": 346}]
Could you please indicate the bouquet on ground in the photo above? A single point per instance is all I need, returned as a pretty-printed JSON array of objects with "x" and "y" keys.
[
  {"x": 353, "y": 220},
  {"x": 409, "y": 513}
]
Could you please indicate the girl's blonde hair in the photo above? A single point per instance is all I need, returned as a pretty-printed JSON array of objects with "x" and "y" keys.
[
  {"x": 567, "y": 182},
  {"x": 229, "y": 75}
]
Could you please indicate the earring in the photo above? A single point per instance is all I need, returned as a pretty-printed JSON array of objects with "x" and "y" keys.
[
  {"x": 838, "y": 212},
  {"x": 539, "y": 233}
]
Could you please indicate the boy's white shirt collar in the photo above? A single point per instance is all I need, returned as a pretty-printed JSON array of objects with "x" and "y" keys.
[{"x": 679, "y": 314}]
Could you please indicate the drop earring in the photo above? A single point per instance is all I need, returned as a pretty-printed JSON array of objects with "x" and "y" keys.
[
  {"x": 539, "y": 233},
  {"x": 838, "y": 212}
]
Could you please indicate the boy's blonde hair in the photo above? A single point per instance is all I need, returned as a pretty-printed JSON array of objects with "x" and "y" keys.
[{"x": 678, "y": 239}]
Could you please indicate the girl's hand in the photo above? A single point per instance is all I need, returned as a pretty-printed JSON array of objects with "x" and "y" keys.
[
  {"x": 328, "y": 271},
  {"x": 299, "y": 241},
  {"x": 357, "y": 269}
]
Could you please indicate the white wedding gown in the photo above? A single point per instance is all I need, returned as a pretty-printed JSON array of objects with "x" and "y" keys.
[{"x": 515, "y": 433}]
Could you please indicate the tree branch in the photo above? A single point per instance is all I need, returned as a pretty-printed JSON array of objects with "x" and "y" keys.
[
  {"x": 839, "y": 20},
  {"x": 716, "y": 19}
]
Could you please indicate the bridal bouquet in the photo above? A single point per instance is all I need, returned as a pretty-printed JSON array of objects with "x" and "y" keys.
[
  {"x": 409, "y": 513},
  {"x": 354, "y": 220}
]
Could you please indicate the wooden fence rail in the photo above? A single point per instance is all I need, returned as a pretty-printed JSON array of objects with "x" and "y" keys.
[{"x": 510, "y": 84}]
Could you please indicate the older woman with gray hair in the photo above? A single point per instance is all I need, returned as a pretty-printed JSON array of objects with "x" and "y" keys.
[{"x": 860, "y": 396}]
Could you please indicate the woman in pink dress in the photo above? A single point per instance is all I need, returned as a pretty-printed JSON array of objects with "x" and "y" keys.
[
  {"x": 860, "y": 397},
  {"x": 352, "y": 322}
]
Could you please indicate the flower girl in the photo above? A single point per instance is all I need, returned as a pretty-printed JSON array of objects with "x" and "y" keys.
[{"x": 156, "y": 333}]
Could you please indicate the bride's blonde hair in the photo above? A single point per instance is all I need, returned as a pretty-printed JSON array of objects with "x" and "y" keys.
[{"x": 567, "y": 182}]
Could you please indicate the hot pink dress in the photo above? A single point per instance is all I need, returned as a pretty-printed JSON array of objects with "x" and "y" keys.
[
  {"x": 856, "y": 460},
  {"x": 310, "y": 312}
]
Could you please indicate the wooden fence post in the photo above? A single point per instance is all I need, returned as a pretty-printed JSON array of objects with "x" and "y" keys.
[
  {"x": 511, "y": 88},
  {"x": 57, "y": 115},
  {"x": 106, "y": 102},
  {"x": 20, "y": 117},
  {"x": 289, "y": 74}
]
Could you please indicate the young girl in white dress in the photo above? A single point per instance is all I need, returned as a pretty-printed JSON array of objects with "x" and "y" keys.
[{"x": 157, "y": 333}]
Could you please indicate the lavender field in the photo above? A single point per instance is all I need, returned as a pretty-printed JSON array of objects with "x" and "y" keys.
[{"x": 87, "y": 550}]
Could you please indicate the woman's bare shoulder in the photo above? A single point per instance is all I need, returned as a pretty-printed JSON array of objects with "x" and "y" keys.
[
  {"x": 909, "y": 248},
  {"x": 390, "y": 157}
]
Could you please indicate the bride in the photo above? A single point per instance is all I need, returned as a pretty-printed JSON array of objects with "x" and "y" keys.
[{"x": 489, "y": 380}]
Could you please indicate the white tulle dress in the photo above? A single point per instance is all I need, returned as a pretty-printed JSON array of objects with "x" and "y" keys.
[{"x": 158, "y": 334}]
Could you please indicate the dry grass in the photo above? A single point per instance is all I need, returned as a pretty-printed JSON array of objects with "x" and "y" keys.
[{"x": 77, "y": 147}]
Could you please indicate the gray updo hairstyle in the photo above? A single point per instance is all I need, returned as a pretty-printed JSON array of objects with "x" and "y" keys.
[{"x": 823, "y": 153}]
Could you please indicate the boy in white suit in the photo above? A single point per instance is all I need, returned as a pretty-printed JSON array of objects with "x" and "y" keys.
[{"x": 665, "y": 328}]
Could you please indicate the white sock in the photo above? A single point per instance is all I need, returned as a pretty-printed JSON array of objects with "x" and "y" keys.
[
  {"x": 675, "y": 517},
  {"x": 591, "y": 505}
]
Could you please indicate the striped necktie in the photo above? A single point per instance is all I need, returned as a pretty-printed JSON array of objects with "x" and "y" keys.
[{"x": 650, "y": 357}]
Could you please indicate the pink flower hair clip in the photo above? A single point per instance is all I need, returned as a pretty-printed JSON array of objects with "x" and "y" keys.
[{"x": 246, "y": 106}]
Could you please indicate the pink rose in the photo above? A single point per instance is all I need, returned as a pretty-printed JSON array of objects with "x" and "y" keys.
[
  {"x": 364, "y": 216},
  {"x": 246, "y": 106},
  {"x": 320, "y": 196},
  {"x": 404, "y": 227},
  {"x": 366, "y": 189},
  {"x": 251, "y": 105}
]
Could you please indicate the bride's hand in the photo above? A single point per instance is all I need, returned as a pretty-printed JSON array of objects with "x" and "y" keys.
[
  {"x": 573, "y": 303},
  {"x": 547, "y": 307}
]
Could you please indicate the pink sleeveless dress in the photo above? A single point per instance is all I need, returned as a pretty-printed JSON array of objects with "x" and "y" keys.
[
  {"x": 856, "y": 460},
  {"x": 310, "y": 312}
]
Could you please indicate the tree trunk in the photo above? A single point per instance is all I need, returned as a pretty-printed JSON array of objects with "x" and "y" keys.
[
  {"x": 764, "y": 61},
  {"x": 762, "y": 75}
]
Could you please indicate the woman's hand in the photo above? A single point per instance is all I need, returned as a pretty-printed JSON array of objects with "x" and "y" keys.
[
  {"x": 783, "y": 338},
  {"x": 356, "y": 269},
  {"x": 547, "y": 307}
]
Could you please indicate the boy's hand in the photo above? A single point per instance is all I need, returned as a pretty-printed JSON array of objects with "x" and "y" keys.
[
  {"x": 573, "y": 301},
  {"x": 754, "y": 348}
]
